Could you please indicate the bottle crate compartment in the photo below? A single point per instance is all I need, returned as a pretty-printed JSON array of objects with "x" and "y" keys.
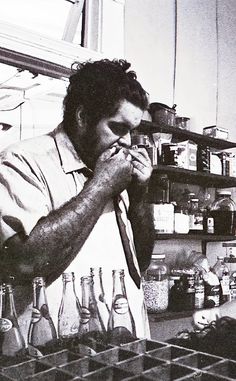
[{"x": 141, "y": 359}]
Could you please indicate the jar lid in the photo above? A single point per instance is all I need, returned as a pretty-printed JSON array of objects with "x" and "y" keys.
[
  {"x": 158, "y": 256},
  {"x": 223, "y": 193}
]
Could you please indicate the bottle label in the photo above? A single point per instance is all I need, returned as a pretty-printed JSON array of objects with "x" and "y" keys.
[
  {"x": 36, "y": 315},
  {"x": 233, "y": 291},
  {"x": 34, "y": 352},
  {"x": 213, "y": 293},
  {"x": 121, "y": 305},
  {"x": 85, "y": 315},
  {"x": 199, "y": 297},
  {"x": 5, "y": 325},
  {"x": 225, "y": 285}
]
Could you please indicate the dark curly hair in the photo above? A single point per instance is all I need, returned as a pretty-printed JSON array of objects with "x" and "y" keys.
[{"x": 97, "y": 87}]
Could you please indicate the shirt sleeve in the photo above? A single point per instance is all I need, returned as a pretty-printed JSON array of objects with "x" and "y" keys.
[{"x": 23, "y": 195}]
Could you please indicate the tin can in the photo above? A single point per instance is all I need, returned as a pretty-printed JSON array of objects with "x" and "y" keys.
[{"x": 169, "y": 154}]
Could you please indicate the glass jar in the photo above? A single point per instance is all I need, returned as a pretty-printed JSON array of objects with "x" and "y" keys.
[
  {"x": 156, "y": 285},
  {"x": 223, "y": 212}
]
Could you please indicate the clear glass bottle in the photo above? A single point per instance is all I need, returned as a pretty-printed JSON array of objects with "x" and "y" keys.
[
  {"x": 156, "y": 285},
  {"x": 223, "y": 211},
  {"x": 91, "y": 325},
  {"x": 222, "y": 271},
  {"x": 11, "y": 339},
  {"x": 195, "y": 217},
  {"x": 121, "y": 325},
  {"x": 104, "y": 311},
  {"x": 69, "y": 310},
  {"x": 232, "y": 286},
  {"x": 42, "y": 333},
  {"x": 199, "y": 291},
  {"x": 163, "y": 210},
  {"x": 212, "y": 289}
]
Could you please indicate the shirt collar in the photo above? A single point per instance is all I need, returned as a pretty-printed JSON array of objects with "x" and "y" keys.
[{"x": 70, "y": 160}]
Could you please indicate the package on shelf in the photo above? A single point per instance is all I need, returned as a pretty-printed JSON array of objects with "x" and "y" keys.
[
  {"x": 216, "y": 132},
  {"x": 187, "y": 155},
  {"x": 215, "y": 164},
  {"x": 160, "y": 138},
  {"x": 232, "y": 164}
]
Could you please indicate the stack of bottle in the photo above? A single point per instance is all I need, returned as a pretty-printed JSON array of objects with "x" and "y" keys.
[{"x": 82, "y": 324}]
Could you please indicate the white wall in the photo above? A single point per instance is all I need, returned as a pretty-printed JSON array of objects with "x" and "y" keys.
[{"x": 204, "y": 87}]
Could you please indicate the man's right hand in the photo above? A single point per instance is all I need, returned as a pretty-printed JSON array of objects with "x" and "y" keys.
[{"x": 114, "y": 170}]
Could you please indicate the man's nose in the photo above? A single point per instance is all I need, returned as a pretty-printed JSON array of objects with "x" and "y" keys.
[{"x": 125, "y": 140}]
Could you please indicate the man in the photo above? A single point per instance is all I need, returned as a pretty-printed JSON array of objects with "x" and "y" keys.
[{"x": 58, "y": 191}]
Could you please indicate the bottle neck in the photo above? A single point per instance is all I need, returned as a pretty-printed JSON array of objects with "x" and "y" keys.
[
  {"x": 96, "y": 274},
  {"x": 68, "y": 280},
  {"x": 39, "y": 293},
  {"x": 87, "y": 290},
  {"x": 9, "y": 307},
  {"x": 118, "y": 283}
]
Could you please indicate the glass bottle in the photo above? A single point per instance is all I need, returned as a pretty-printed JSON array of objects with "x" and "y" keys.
[
  {"x": 156, "y": 286},
  {"x": 176, "y": 297},
  {"x": 195, "y": 217},
  {"x": 11, "y": 339},
  {"x": 104, "y": 311},
  {"x": 232, "y": 286},
  {"x": 189, "y": 289},
  {"x": 212, "y": 289},
  {"x": 69, "y": 310},
  {"x": 91, "y": 327},
  {"x": 163, "y": 210},
  {"x": 42, "y": 332},
  {"x": 121, "y": 326},
  {"x": 199, "y": 291},
  {"x": 222, "y": 271},
  {"x": 223, "y": 212}
]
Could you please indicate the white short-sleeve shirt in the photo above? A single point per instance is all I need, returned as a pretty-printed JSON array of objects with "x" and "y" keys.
[{"x": 40, "y": 175}]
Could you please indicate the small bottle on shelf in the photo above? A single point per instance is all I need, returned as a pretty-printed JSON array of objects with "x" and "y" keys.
[
  {"x": 163, "y": 210},
  {"x": 232, "y": 286},
  {"x": 222, "y": 271},
  {"x": 223, "y": 211},
  {"x": 195, "y": 217},
  {"x": 199, "y": 291}
]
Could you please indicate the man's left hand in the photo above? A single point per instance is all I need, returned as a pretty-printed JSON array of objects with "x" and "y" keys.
[{"x": 142, "y": 166}]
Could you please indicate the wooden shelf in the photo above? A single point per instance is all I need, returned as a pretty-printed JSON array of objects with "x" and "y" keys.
[
  {"x": 198, "y": 237},
  {"x": 151, "y": 128},
  {"x": 181, "y": 175},
  {"x": 168, "y": 315}
]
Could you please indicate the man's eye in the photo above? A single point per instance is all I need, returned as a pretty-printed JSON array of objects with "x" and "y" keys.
[{"x": 119, "y": 129}]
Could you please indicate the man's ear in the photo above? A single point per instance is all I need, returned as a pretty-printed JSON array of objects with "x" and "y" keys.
[{"x": 80, "y": 118}]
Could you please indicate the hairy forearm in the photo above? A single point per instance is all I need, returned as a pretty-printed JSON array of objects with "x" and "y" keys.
[
  {"x": 141, "y": 218},
  {"x": 57, "y": 238}
]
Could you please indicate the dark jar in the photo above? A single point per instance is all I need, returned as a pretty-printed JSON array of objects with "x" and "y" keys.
[{"x": 223, "y": 211}]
